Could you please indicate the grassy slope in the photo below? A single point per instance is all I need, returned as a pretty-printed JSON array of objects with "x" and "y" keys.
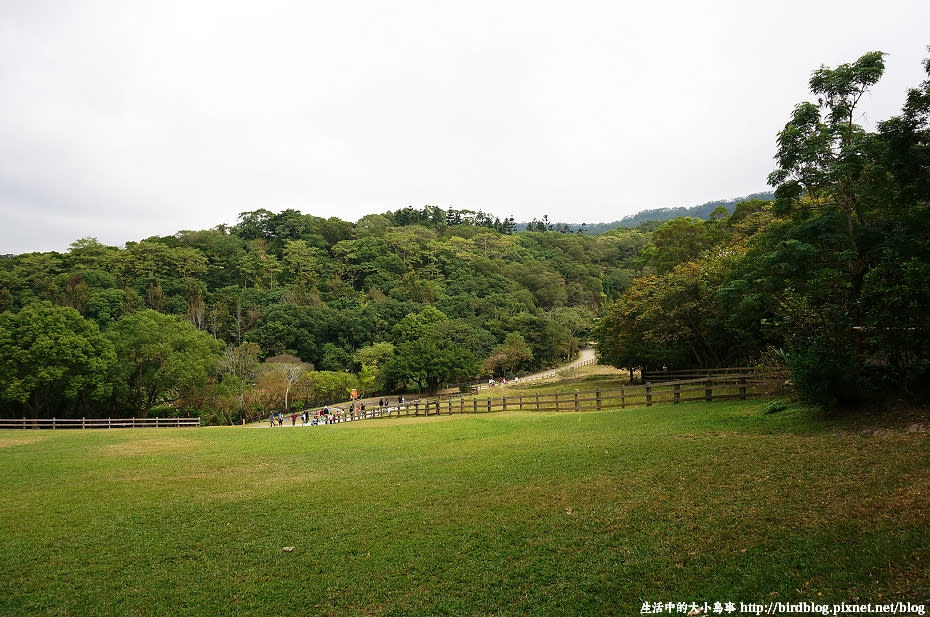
[{"x": 542, "y": 514}]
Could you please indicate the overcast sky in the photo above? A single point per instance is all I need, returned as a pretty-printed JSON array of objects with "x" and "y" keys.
[{"x": 122, "y": 120}]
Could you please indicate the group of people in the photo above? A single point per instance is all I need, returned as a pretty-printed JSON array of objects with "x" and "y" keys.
[
  {"x": 382, "y": 403},
  {"x": 305, "y": 419},
  {"x": 324, "y": 416},
  {"x": 278, "y": 420}
]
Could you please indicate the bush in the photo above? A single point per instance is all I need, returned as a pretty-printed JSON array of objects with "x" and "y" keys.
[{"x": 829, "y": 379}]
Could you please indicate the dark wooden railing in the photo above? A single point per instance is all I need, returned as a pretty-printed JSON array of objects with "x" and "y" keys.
[
  {"x": 84, "y": 423},
  {"x": 713, "y": 388},
  {"x": 695, "y": 373}
]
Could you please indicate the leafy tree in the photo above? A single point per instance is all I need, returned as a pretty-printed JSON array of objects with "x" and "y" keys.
[
  {"x": 77, "y": 293},
  {"x": 105, "y": 306},
  {"x": 427, "y": 363},
  {"x": 152, "y": 263},
  {"x": 159, "y": 358},
  {"x": 297, "y": 330},
  {"x": 545, "y": 336},
  {"x": 371, "y": 361},
  {"x": 89, "y": 253},
  {"x": 677, "y": 241},
  {"x": 335, "y": 358},
  {"x": 6, "y": 299},
  {"x": 577, "y": 322},
  {"x": 854, "y": 187},
  {"x": 507, "y": 357},
  {"x": 415, "y": 325},
  {"x": 324, "y": 387},
  {"x": 50, "y": 357}
]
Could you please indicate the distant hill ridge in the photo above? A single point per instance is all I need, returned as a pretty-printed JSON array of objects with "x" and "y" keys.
[{"x": 659, "y": 215}]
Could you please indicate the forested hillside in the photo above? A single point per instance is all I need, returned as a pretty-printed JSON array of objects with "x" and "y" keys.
[
  {"x": 646, "y": 219},
  {"x": 831, "y": 279},
  {"x": 706, "y": 211},
  {"x": 409, "y": 300}
]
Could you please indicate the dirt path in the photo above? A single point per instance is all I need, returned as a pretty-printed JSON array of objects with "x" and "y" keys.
[{"x": 586, "y": 356}]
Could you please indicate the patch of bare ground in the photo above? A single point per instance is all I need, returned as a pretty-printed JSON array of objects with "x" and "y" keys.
[
  {"x": 20, "y": 440},
  {"x": 147, "y": 447}
]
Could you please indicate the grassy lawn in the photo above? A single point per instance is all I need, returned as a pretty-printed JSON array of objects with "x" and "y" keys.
[{"x": 500, "y": 514}]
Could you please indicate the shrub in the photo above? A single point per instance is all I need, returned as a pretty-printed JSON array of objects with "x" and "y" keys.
[{"x": 825, "y": 378}]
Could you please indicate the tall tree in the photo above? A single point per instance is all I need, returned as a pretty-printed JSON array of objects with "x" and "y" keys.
[
  {"x": 159, "y": 358},
  {"x": 427, "y": 363},
  {"x": 507, "y": 357},
  {"x": 289, "y": 369},
  {"x": 51, "y": 356}
]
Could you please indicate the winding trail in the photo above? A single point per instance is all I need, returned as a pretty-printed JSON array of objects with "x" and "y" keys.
[{"x": 586, "y": 356}]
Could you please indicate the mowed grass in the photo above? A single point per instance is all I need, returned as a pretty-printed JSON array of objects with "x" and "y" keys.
[{"x": 502, "y": 514}]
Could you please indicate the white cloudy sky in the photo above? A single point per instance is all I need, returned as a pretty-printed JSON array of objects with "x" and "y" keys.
[{"x": 123, "y": 119}]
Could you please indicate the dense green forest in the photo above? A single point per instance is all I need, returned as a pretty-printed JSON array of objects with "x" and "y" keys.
[
  {"x": 830, "y": 279},
  {"x": 409, "y": 300}
]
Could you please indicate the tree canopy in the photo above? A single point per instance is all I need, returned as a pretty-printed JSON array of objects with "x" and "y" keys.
[
  {"x": 834, "y": 272},
  {"x": 831, "y": 270}
]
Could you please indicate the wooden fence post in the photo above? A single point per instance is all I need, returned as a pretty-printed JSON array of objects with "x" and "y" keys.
[
  {"x": 708, "y": 389},
  {"x": 742, "y": 388},
  {"x": 521, "y": 402},
  {"x": 537, "y": 402},
  {"x": 53, "y": 423},
  {"x": 622, "y": 398},
  {"x": 576, "y": 400},
  {"x": 677, "y": 397},
  {"x": 475, "y": 405},
  {"x": 557, "y": 402},
  {"x": 416, "y": 408},
  {"x": 648, "y": 396},
  {"x": 489, "y": 405},
  {"x": 597, "y": 399},
  {"x": 83, "y": 420},
  {"x": 505, "y": 403}
]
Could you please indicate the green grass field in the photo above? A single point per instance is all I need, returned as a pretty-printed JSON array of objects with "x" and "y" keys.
[{"x": 500, "y": 514}]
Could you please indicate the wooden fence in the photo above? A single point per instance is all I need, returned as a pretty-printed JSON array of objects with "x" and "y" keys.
[
  {"x": 695, "y": 373},
  {"x": 714, "y": 388},
  {"x": 63, "y": 423}
]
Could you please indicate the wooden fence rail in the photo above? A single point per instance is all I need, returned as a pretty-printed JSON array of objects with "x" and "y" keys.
[
  {"x": 696, "y": 373},
  {"x": 84, "y": 423},
  {"x": 715, "y": 388}
]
